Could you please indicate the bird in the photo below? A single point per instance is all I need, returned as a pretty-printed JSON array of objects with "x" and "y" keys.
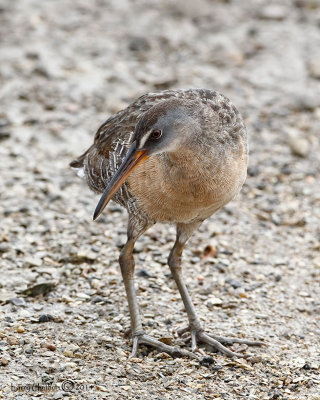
[{"x": 174, "y": 156}]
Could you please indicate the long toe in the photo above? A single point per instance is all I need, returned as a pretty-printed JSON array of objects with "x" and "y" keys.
[
  {"x": 232, "y": 340},
  {"x": 205, "y": 338},
  {"x": 162, "y": 347},
  {"x": 217, "y": 342}
]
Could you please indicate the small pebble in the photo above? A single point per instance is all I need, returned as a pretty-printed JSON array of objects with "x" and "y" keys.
[
  {"x": 139, "y": 44},
  {"x": 220, "y": 267},
  {"x": 299, "y": 146},
  {"x": 29, "y": 350},
  {"x": 45, "y": 318},
  {"x": 206, "y": 361},
  {"x": 166, "y": 340},
  {"x": 273, "y": 12},
  {"x": 97, "y": 299},
  {"x": 4, "y": 361},
  {"x": 314, "y": 68},
  {"x": 144, "y": 273},
  {"x": 213, "y": 301},
  {"x": 234, "y": 283},
  {"x": 18, "y": 301},
  {"x": 68, "y": 353},
  {"x": 209, "y": 251},
  {"x": 4, "y": 247},
  {"x": 95, "y": 248},
  {"x": 32, "y": 262},
  {"x": 49, "y": 346},
  {"x": 13, "y": 341},
  {"x": 254, "y": 359},
  {"x": 58, "y": 395},
  {"x": 4, "y": 135}
]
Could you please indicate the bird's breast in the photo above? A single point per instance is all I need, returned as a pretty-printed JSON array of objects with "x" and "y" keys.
[{"x": 186, "y": 187}]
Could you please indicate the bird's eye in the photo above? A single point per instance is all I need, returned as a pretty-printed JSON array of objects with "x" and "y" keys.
[{"x": 156, "y": 134}]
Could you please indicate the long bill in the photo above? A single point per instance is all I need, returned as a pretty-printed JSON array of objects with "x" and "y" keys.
[{"x": 133, "y": 158}]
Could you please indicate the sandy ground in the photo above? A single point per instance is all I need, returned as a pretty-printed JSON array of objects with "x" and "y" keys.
[{"x": 65, "y": 66}]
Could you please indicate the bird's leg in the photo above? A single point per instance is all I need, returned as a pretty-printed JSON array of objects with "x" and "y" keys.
[
  {"x": 184, "y": 231},
  {"x": 127, "y": 266},
  {"x": 183, "y": 234}
]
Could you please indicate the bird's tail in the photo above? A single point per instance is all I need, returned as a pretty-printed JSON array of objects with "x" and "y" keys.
[{"x": 78, "y": 164}]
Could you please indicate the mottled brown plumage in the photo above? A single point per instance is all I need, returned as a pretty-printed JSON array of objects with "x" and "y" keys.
[{"x": 173, "y": 156}]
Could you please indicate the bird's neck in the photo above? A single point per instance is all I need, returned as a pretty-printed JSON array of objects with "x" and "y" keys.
[{"x": 188, "y": 164}]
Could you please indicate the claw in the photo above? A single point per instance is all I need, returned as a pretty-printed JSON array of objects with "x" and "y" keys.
[
  {"x": 194, "y": 340},
  {"x": 135, "y": 344}
]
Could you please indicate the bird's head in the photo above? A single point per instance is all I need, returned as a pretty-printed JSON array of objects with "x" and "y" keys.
[{"x": 164, "y": 128}]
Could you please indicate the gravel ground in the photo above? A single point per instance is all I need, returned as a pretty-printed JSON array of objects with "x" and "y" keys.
[{"x": 253, "y": 269}]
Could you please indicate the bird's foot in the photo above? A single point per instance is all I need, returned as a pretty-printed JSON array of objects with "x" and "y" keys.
[
  {"x": 217, "y": 342},
  {"x": 142, "y": 338}
]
